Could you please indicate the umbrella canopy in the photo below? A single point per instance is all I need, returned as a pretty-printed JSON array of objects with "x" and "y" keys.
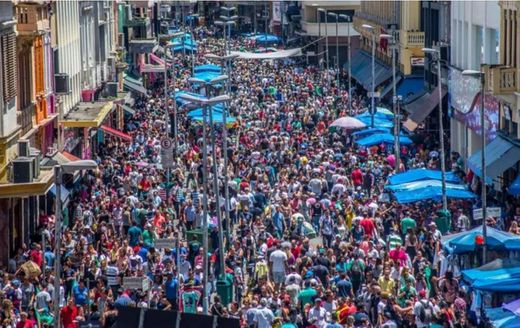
[
  {"x": 503, "y": 318},
  {"x": 379, "y": 121},
  {"x": 422, "y": 174},
  {"x": 199, "y": 111},
  {"x": 217, "y": 119},
  {"x": 387, "y": 138},
  {"x": 411, "y": 186},
  {"x": 206, "y": 75},
  {"x": 265, "y": 38},
  {"x": 208, "y": 68},
  {"x": 370, "y": 131},
  {"x": 496, "y": 239},
  {"x": 384, "y": 111},
  {"x": 514, "y": 188},
  {"x": 348, "y": 122}
]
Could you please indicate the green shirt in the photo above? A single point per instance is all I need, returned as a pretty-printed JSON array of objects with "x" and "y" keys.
[
  {"x": 307, "y": 296},
  {"x": 407, "y": 223},
  {"x": 148, "y": 238},
  {"x": 394, "y": 240}
]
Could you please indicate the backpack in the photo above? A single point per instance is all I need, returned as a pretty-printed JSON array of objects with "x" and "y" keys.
[{"x": 426, "y": 312}]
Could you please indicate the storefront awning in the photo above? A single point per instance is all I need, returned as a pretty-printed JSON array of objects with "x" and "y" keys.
[
  {"x": 388, "y": 89},
  {"x": 133, "y": 84},
  {"x": 421, "y": 108},
  {"x": 39, "y": 186},
  {"x": 65, "y": 193},
  {"x": 361, "y": 68},
  {"x": 128, "y": 109},
  {"x": 501, "y": 154},
  {"x": 410, "y": 86},
  {"x": 88, "y": 115},
  {"x": 150, "y": 68},
  {"x": 116, "y": 133}
]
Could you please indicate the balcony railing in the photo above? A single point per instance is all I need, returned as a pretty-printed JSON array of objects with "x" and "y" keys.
[
  {"x": 500, "y": 79},
  {"x": 411, "y": 39}
]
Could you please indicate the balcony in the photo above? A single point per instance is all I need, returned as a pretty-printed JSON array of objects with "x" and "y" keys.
[
  {"x": 410, "y": 39},
  {"x": 500, "y": 79},
  {"x": 142, "y": 45}
]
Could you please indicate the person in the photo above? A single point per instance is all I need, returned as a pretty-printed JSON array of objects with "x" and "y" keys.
[
  {"x": 278, "y": 264},
  {"x": 170, "y": 287},
  {"x": 423, "y": 311},
  {"x": 69, "y": 314},
  {"x": 317, "y": 314},
  {"x": 263, "y": 316},
  {"x": 344, "y": 286},
  {"x": 25, "y": 322}
]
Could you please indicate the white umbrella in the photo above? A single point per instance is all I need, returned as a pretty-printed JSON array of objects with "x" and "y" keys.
[{"x": 348, "y": 122}]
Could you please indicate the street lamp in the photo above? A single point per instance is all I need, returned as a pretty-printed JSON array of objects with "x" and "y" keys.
[
  {"x": 394, "y": 100},
  {"x": 436, "y": 56},
  {"x": 336, "y": 16},
  {"x": 69, "y": 167},
  {"x": 206, "y": 103},
  {"x": 347, "y": 18},
  {"x": 372, "y": 101},
  {"x": 228, "y": 21},
  {"x": 227, "y": 59},
  {"x": 483, "y": 195},
  {"x": 168, "y": 46},
  {"x": 326, "y": 43}
]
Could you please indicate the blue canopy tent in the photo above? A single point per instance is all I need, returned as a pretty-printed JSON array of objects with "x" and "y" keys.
[
  {"x": 514, "y": 188},
  {"x": 381, "y": 113},
  {"x": 217, "y": 117},
  {"x": 380, "y": 121},
  {"x": 208, "y": 68},
  {"x": 496, "y": 269},
  {"x": 206, "y": 76},
  {"x": 199, "y": 111},
  {"x": 435, "y": 193},
  {"x": 502, "y": 318},
  {"x": 266, "y": 38},
  {"x": 377, "y": 139},
  {"x": 370, "y": 131},
  {"x": 410, "y": 186},
  {"x": 185, "y": 47},
  {"x": 422, "y": 174},
  {"x": 464, "y": 242}
]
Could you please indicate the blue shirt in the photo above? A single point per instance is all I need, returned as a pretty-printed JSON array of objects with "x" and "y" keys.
[
  {"x": 134, "y": 233},
  {"x": 80, "y": 295},
  {"x": 171, "y": 289}
]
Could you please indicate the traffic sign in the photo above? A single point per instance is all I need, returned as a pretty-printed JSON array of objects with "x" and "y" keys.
[
  {"x": 166, "y": 143},
  {"x": 492, "y": 212}
]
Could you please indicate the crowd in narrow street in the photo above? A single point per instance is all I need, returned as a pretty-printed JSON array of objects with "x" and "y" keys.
[{"x": 311, "y": 241}]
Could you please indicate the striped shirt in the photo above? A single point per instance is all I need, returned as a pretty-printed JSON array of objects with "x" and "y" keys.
[{"x": 112, "y": 273}]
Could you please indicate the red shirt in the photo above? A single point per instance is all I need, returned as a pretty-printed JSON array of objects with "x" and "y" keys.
[
  {"x": 357, "y": 177},
  {"x": 68, "y": 315},
  {"x": 369, "y": 226},
  {"x": 29, "y": 323},
  {"x": 36, "y": 257}
]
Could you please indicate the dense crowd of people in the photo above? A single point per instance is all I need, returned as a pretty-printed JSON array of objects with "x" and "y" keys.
[{"x": 311, "y": 240}]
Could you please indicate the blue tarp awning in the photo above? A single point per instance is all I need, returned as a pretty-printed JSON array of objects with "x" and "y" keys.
[
  {"x": 410, "y": 186},
  {"x": 388, "y": 89},
  {"x": 514, "y": 188},
  {"x": 208, "y": 68},
  {"x": 410, "y": 86},
  {"x": 64, "y": 193},
  {"x": 361, "y": 69},
  {"x": 377, "y": 139},
  {"x": 265, "y": 38},
  {"x": 501, "y": 154},
  {"x": 379, "y": 121},
  {"x": 497, "y": 276},
  {"x": 199, "y": 111},
  {"x": 501, "y": 318},
  {"x": 370, "y": 131},
  {"x": 434, "y": 193},
  {"x": 422, "y": 174},
  {"x": 217, "y": 118},
  {"x": 464, "y": 242}
]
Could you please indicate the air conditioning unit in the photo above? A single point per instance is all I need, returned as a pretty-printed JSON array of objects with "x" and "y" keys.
[
  {"x": 24, "y": 148},
  {"x": 62, "y": 83},
  {"x": 23, "y": 170},
  {"x": 36, "y": 155},
  {"x": 111, "y": 89}
]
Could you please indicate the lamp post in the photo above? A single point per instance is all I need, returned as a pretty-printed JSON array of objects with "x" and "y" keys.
[
  {"x": 372, "y": 100},
  {"x": 227, "y": 22},
  {"x": 206, "y": 103},
  {"x": 326, "y": 43},
  {"x": 336, "y": 16},
  {"x": 70, "y": 167},
  {"x": 174, "y": 123},
  {"x": 347, "y": 18},
  {"x": 227, "y": 59},
  {"x": 436, "y": 56},
  {"x": 192, "y": 17},
  {"x": 394, "y": 101},
  {"x": 483, "y": 195}
]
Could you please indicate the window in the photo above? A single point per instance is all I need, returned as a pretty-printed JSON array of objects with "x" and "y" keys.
[{"x": 8, "y": 53}]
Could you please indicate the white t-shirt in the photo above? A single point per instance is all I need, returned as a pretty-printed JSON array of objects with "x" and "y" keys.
[{"x": 278, "y": 259}]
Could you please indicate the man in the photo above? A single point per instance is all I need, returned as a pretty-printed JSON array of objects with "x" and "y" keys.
[
  {"x": 68, "y": 315},
  {"x": 170, "y": 287},
  {"x": 386, "y": 283},
  {"x": 43, "y": 299},
  {"x": 423, "y": 311},
  {"x": 307, "y": 295},
  {"x": 278, "y": 261},
  {"x": 80, "y": 292},
  {"x": 263, "y": 316},
  {"x": 317, "y": 314},
  {"x": 25, "y": 322},
  {"x": 407, "y": 223},
  {"x": 344, "y": 286},
  {"x": 463, "y": 223}
]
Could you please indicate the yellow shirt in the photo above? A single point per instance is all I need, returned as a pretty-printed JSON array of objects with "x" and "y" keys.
[{"x": 387, "y": 286}]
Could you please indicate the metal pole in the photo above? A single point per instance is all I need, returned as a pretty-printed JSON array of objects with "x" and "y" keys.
[
  {"x": 327, "y": 46},
  {"x": 483, "y": 163},
  {"x": 205, "y": 295},
  {"x": 178, "y": 265},
  {"x": 318, "y": 52},
  {"x": 175, "y": 132},
  {"x": 337, "y": 52},
  {"x": 217, "y": 194},
  {"x": 441, "y": 135},
  {"x": 397, "y": 149},
  {"x": 349, "y": 71},
  {"x": 225, "y": 153},
  {"x": 373, "y": 108},
  {"x": 57, "y": 235},
  {"x": 192, "y": 41}
]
